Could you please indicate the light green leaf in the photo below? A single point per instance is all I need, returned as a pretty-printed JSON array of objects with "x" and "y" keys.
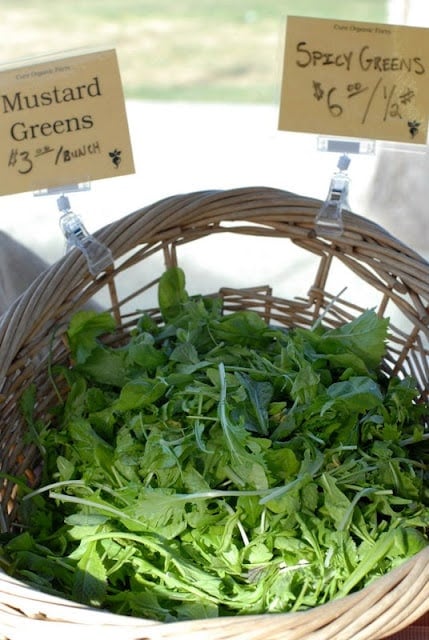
[
  {"x": 90, "y": 581},
  {"x": 171, "y": 293},
  {"x": 139, "y": 393},
  {"x": 84, "y": 328}
]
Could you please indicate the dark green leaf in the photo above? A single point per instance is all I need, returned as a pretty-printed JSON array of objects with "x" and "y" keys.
[{"x": 358, "y": 394}]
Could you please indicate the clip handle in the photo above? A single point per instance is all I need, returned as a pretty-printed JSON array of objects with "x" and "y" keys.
[
  {"x": 329, "y": 219},
  {"x": 98, "y": 256}
]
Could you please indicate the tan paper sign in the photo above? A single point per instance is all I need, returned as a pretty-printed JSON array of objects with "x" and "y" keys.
[
  {"x": 355, "y": 79},
  {"x": 62, "y": 121}
]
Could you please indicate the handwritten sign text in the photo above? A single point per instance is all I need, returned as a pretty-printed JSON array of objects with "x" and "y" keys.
[
  {"x": 355, "y": 80},
  {"x": 62, "y": 122}
]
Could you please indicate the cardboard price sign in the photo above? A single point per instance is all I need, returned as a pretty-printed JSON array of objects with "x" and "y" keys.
[
  {"x": 62, "y": 121},
  {"x": 355, "y": 79}
]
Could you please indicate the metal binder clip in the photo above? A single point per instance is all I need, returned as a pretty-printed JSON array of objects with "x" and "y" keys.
[
  {"x": 98, "y": 256},
  {"x": 329, "y": 220}
]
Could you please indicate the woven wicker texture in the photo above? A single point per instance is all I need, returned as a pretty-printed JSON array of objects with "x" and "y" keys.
[{"x": 337, "y": 276}]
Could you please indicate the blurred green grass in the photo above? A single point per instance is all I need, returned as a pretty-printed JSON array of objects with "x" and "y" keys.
[{"x": 197, "y": 50}]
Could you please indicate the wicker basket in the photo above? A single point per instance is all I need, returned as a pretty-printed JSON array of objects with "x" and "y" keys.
[{"x": 376, "y": 268}]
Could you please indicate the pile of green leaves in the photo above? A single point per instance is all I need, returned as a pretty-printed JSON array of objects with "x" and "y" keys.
[{"x": 215, "y": 465}]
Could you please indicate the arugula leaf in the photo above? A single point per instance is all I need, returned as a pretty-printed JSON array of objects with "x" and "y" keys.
[
  {"x": 242, "y": 328},
  {"x": 259, "y": 394},
  {"x": 90, "y": 579},
  {"x": 365, "y": 336},
  {"x": 84, "y": 328},
  {"x": 143, "y": 353},
  {"x": 357, "y": 394},
  {"x": 139, "y": 393},
  {"x": 105, "y": 366},
  {"x": 171, "y": 293},
  {"x": 237, "y": 438}
]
